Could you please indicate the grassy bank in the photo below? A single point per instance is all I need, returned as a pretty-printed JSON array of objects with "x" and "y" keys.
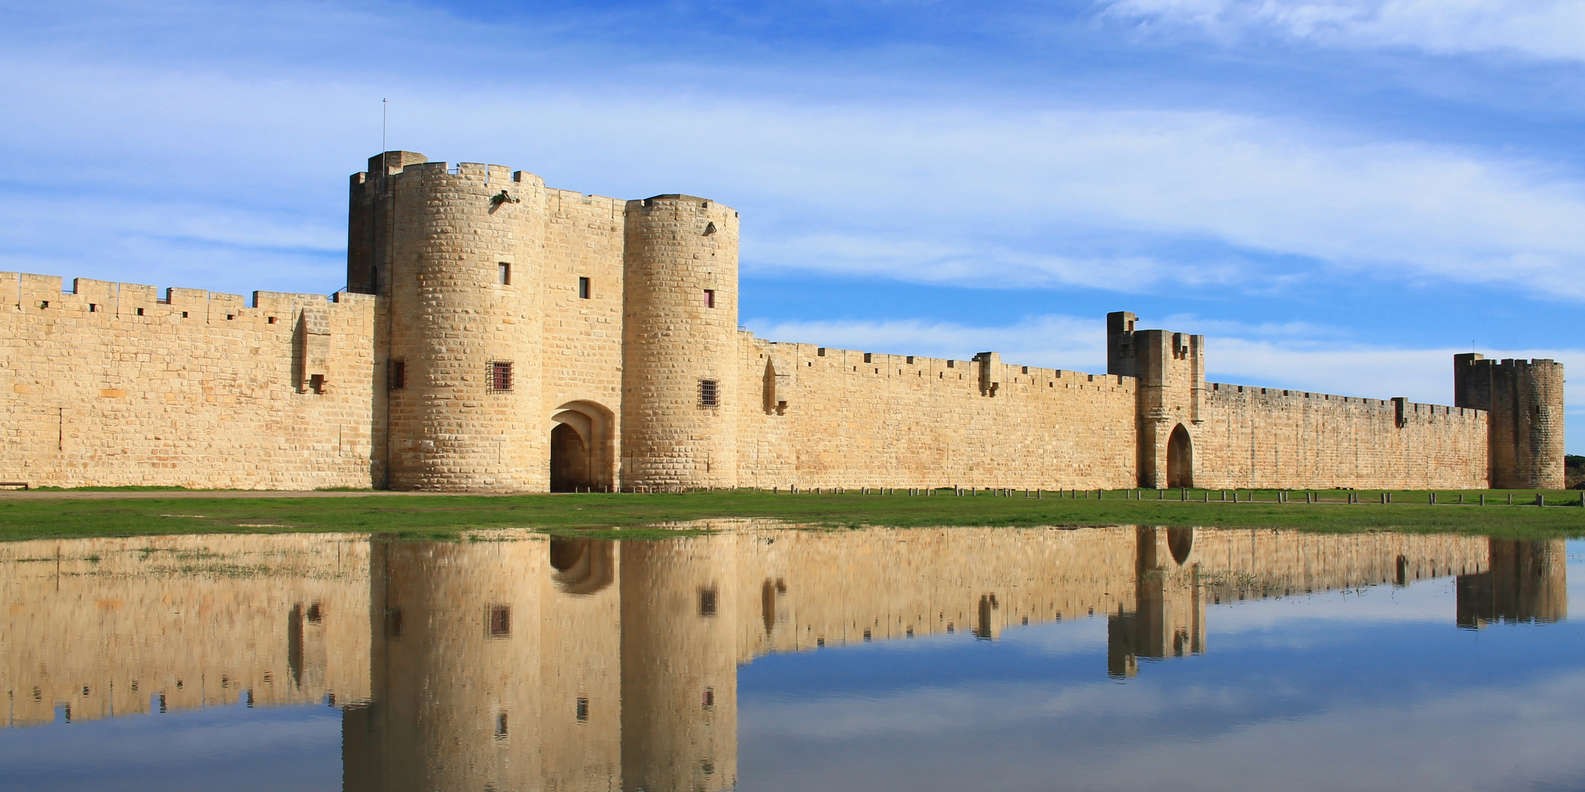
[{"x": 429, "y": 516}]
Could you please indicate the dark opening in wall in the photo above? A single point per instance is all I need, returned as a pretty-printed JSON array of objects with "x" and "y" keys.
[
  {"x": 585, "y": 289},
  {"x": 707, "y": 602},
  {"x": 500, "y": 725},
  {"x": 708, "y": 700},
  {"x": 709, "y": 298},
  {"x": 500, "y": 376},
  {"x": 268, "y": 320},
  {"x": 709, "y": 393},
  {"x": 140, "y": 312},
  {"x": 500, "y": 621},
  {"x": 93, "y": 307},
  {"x": 316, "y": 383},
  {"x": 583, "y": 709},
  {"x": 398, "y": 375},
  {"x": 503, "y": 273}
]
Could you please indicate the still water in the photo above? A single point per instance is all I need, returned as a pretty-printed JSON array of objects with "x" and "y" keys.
[{"x": 768, "y": 658}]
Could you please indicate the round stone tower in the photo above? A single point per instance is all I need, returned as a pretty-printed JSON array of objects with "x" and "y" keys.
[
  {"x": 1524, "y": 404},
  {"x": 459, "y": 270},
  {"x": 679, "y": 339}
]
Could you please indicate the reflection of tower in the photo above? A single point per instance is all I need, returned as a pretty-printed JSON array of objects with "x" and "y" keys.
[
  {"x": 1169, "y": 614},
  {"x": 1526, "y": 582},
  {"x": 494, "y": 666},
  {"x": 679, "y": 669}
]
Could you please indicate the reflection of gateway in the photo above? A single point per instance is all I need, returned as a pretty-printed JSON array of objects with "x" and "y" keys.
[{"x": 576, "y": 664}]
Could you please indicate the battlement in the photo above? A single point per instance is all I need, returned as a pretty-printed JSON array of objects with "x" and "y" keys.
[
  {"x": 1280, "y": 396},
  {"x": 413, "y": 166},
  {"x": 939, "y": 370},
  {"x": 46, "y": 295}
]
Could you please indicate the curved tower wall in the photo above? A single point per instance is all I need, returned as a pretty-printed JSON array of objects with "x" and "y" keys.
[
  {"x": 453, "y": 318},
  {"x": 1524, "y": 404},
  {"x": 680, "y": 255}
]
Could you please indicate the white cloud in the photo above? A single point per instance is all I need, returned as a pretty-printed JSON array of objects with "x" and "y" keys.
[
  {"x": 1536, "y": 29},
  {"x": 957, "y": 189}
]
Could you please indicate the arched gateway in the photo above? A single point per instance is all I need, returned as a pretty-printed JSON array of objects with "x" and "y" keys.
[
  {"x": 1180, "y": 459},
  {"x": 582, "y": 456}
]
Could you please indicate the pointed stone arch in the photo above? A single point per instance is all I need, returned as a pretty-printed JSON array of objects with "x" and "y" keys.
[
  {"x": 582, "y": 447},
  {"x": 1180, "y": 458}
]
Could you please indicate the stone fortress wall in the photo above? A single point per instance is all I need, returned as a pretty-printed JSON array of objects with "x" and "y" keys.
[
  {"x": 498, "y": 334},
  {"x": 115, "y": 384},
  {"x": 527, "y": 662}
]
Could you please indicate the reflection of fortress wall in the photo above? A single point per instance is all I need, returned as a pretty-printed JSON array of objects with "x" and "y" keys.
[
  {"x": 119, "y": 626},
  {"x": 679, "y": 671},
  {"x": 456, "y": 670},
  {"x": 1527, "y": 582},
  {"x": 891, "y": 583}
]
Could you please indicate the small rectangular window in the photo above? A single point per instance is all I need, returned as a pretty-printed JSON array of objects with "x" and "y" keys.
[
  {"x": 708, "y": 699},
  {"x": 93, "y": 308},
  {"x": 316, "y": 383},
  {"x": 500, "y": 621},
  {"x": 708, "y": 394},
  {"x": 500, "y": 725},
  {"x": 583, "y": 709},
  {"x": 709, "y": 298},
  {"x": 398, "y": 377},
  {"x": 140, "y": 313},
  {"x": 504, "y": 273},
  {"x": 707, "y": 602},
  {"x": 584, "y": 289},
  {"x": 500, "y": 376}
]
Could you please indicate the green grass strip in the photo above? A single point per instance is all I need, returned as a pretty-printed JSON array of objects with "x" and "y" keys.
[{"x": 637, "y": 515}]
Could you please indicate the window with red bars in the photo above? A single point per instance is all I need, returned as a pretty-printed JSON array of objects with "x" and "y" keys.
[{"x": 500, "y": 376}]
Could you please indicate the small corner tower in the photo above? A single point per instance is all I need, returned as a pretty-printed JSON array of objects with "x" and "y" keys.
[
  {"x": 1523, "y": 400},
  {"x": 679, "y": 343}
]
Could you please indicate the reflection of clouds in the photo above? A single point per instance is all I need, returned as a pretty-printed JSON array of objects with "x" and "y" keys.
[
  {"x": 941, "y": 711},
  {"x": 1424, "y": 602},
  {"x": 210, "y": 749},
  {"x": 1139, "y": 736}
]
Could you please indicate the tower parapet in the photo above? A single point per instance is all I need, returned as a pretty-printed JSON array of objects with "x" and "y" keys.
[
  {"x": 679, "y": 343},
  {"x": 1524, "y": 404}
]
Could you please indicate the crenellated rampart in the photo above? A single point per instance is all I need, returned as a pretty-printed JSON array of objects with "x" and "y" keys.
[
  {"x": 115, "y": 384},
  {"x": 818, "y": 417}
]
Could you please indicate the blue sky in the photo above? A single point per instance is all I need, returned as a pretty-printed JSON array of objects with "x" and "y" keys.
[{"x": 1340, "y": 194}]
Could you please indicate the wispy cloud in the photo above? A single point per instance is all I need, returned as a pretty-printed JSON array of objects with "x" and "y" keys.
[{"x": 1538, "y": 29}]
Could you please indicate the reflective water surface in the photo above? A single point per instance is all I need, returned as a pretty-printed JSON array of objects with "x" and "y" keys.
[{"x": 764, "y": 657}]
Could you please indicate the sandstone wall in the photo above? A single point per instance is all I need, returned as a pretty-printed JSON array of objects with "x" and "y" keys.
[
  {"x": 1268, "y": 437},
  {"x": 113, "y": 384},
  {"x": 861, "y": 419}
]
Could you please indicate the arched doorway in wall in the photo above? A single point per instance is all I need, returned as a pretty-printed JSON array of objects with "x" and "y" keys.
[
  {"x": 581, "y": 452},
  {"x": 1180, "y": 459},
  {"x": 582, "y": 566}
]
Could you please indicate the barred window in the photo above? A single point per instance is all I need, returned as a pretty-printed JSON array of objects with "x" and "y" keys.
[
  {"x": 398, "y": 378},
  {"x": 708, "y": 393},
  {"x": 500, "y": 376},
  {"x": 500, "y": 621}
]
